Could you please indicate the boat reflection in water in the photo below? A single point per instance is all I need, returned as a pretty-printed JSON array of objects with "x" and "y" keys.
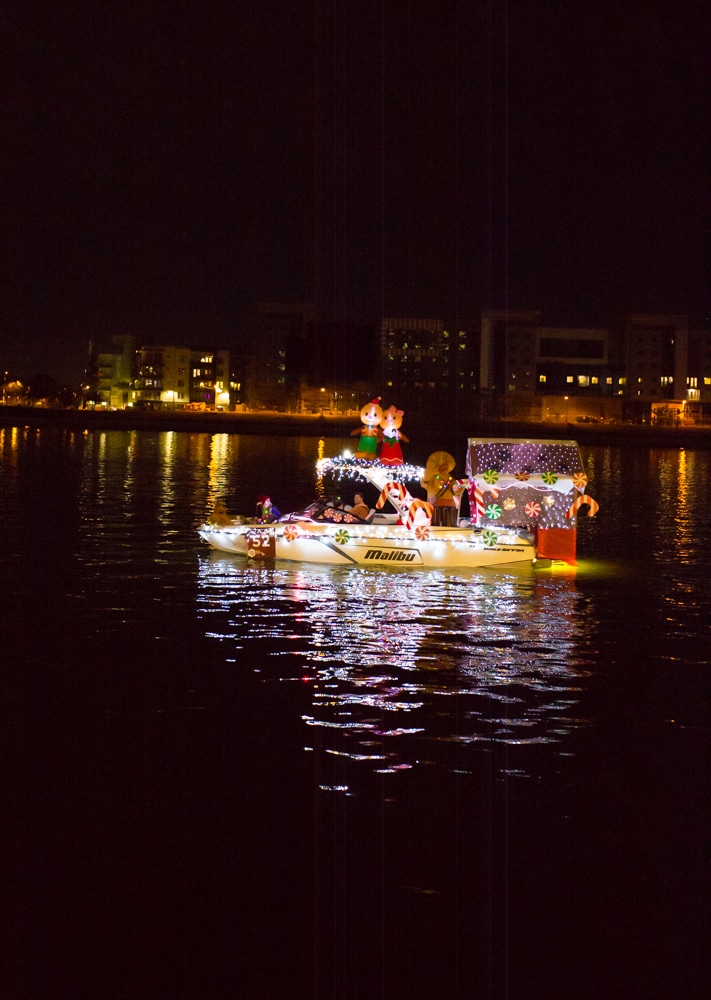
[{"x": 409, "y": 669}]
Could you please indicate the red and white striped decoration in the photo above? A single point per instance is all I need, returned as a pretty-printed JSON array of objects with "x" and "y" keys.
[
  {"x": 479, "y": 501},
  {"x": 532, "y": 509},
  {"x": 583, "y": 499},
  {"x": 412, "y": 511},
  {"x": 391, "y": 491}
]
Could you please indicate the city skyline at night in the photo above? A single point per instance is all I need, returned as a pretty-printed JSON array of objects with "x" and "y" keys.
[{"x": 170, "y": 167}]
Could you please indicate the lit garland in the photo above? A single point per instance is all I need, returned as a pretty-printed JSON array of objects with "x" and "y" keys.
[{"x": 347, "y": 467}]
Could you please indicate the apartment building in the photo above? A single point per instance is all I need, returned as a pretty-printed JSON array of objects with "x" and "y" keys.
[
  {"x": 278, "y": 354},
  {"x": 416, "y": 358},
  {"x": 161, "y": 376}
]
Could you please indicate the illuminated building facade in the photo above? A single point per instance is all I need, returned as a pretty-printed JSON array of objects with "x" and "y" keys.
[
  {"x": 416, "y": 359},
  {"x": 279, "y": 355},
  {"x": 156, "y": 376},
  {"x": 657, "y": 351},
  {"x": 112, "y": 372}
]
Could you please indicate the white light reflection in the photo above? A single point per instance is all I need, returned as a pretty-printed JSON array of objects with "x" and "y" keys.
[
  {"x": 218, "y": 469},
  {"x": 407, "y": 668}
]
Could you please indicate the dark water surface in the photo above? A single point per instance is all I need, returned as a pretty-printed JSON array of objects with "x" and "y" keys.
[{"x": 234, "y": 781}]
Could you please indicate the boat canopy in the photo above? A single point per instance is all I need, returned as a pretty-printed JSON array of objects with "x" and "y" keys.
[{"x": 519, "y": 481}]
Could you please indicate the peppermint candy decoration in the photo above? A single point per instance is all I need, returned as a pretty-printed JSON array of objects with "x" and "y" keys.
[
  {"x": 291, "y": 531},
  {"x": 493, "y": 512},
  {"x": 532, "y": 509},
  {"x": 491, "y": 476},
  {"x": 342, "y": 537},
  {"x": 422, "y": 532},
  {"x": 580, "y": 480},
  {"x": 522, "y": 476},
  {"x": 490, "y": 538},
  {"x": 549, "y": 478}
]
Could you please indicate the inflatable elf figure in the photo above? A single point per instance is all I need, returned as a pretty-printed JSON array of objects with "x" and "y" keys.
[
  {"x": 390, "y": 450},
  {"x": 370, "y": 415}
]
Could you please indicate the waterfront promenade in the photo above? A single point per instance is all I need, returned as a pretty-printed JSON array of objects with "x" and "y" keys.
[{"x": 276, "y": 424}]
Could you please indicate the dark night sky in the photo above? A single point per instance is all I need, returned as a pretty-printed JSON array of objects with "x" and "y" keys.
[{"x": 169, "y": 164}]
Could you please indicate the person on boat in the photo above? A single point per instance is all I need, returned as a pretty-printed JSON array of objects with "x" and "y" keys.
[
  {"x": 440, "y": 486},
  {"x": 360, "y": 507},
  {"x": 267, "y": 513},
  {"x": 219, "y": 515}
]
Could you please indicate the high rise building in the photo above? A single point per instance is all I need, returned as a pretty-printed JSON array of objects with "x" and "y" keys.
[{"x": 416, "y": 356}]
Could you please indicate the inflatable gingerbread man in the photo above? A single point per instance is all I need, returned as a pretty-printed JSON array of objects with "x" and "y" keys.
[{"x": 370, "y": 415}]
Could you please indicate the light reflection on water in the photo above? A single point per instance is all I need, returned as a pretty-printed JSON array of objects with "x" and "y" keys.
[
  {"x": 168, "y": 712},
  {"x": 409, "y": 668}
]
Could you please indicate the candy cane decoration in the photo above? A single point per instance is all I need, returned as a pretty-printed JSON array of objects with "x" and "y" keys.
[
  {"x": 577, "y": 504},
  {"x": 478, "y": 500},
  {"x": 412, "y": 510},
  {"x": 458, "y": 487},
  {"x": 389, "y": 492}
]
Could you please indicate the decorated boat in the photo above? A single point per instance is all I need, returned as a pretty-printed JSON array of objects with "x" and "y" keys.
[{"x": 518, "y": 503}]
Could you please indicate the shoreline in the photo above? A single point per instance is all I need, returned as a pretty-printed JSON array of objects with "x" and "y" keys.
[{"x": 307, "y": 425}]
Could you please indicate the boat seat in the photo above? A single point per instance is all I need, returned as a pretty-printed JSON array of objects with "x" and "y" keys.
[{"x": 377, "y": 517}]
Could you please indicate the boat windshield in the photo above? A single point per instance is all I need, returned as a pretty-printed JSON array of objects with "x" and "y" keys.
[{"x": 319, "y": 510}]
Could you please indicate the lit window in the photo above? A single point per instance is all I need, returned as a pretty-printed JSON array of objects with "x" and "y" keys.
[
  {"x": 541, "y": 378},
  {"x": 569, "y": 378},
  {"x": 584, "y": 380},
  {"x": 594, "y": 380},
  {"x": 608, "y": 381}
]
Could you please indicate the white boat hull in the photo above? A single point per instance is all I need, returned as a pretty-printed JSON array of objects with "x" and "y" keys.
[{"x": 389, "y": 546}]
